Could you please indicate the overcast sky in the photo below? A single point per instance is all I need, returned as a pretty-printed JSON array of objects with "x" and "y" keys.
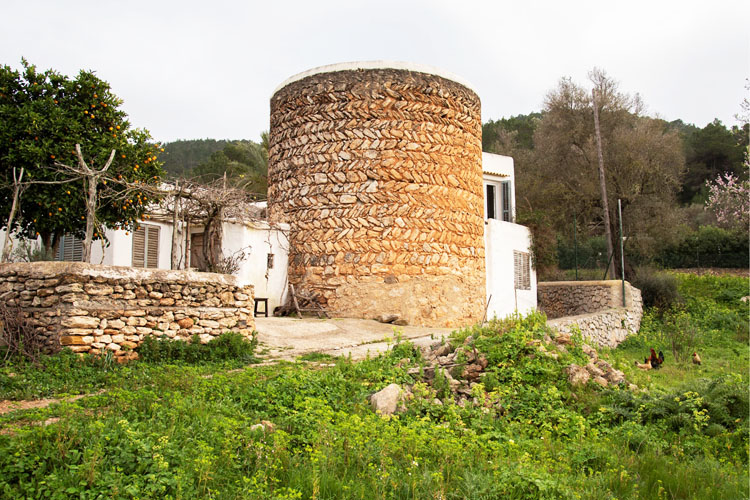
[{"x": 206, "y": 69}]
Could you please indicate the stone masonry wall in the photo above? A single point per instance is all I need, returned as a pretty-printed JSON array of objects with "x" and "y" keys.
[
  {"x": 89, "y": 308},
  {"x": 569, "y": 298},
  {"x": 594, "y": 307},
  {"x": 379, "y": 174}
]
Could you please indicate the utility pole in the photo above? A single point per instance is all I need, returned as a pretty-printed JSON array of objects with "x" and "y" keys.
[
  {"x": 575, "y": 242},
  {"x": 622, "y": 251},
  {"x": 603, "y": 187}
]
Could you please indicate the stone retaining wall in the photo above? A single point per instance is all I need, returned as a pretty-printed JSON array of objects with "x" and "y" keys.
[
  {"x": 90, "y": 308},
  {"x": 594, "y": 307},
  {"x": 379, "y": 174}
]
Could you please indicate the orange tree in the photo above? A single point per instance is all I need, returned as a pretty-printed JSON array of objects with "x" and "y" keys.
[{"x": 43, "y": 115}]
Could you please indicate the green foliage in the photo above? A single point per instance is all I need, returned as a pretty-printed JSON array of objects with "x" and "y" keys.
[
  {"x": 69, "y": 373},
  {"x": 542, "y": 241},
  {"x": 182, "y": 156},
  {"x": 592, "y": 253},
  {"x": 63, "y": 373},
  {"x": 529, "y": 435},
  {"x": 521, "y": 128},
  {"x": 245, "y": 164},
  {"x": 205, "y": 161},
  {"x": 658, "y": 289},
  {"x": 227, "y": 346},
  {"x": 711, "y": 151},
  {"x": 44, "y": 115},
  {"x": 704, "y": 407},
  {"x": 709, "y": 246}
]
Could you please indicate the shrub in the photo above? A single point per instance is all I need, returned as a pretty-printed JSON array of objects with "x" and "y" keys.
[
  {"x": 658, "y": 289},
  {"x": 227, "y": 346},
  {"x": 592, "y": 253},
  {"x": 681, "y": 333},
  {"x": 709, "y": 246},
  {"x": 17, "y": 336}
]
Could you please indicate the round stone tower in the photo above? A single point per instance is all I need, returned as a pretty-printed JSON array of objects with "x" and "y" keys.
[{"x": 377, "y": 167}]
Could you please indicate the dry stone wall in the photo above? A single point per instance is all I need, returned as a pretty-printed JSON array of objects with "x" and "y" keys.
[
  {"x": 593, "y": 307},
  {"x": 379, "y": 174},
  {"x": 89, "y": 308}
]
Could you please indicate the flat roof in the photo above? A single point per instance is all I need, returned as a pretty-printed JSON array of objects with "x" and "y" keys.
[{"x": 357, "y": 65}]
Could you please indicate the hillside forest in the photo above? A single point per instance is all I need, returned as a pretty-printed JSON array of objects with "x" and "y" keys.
[{"x": 669, "y": 177}]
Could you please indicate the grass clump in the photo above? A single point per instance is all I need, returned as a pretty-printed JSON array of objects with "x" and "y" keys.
[
  {"x": 68, "y": 373},
  {"x": 228, "y": 346}
]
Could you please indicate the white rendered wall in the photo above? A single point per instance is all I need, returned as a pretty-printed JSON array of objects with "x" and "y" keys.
[
  {"x": 120, "y": 249},
  {"x": 496, "y": 169},
  {"x": 14, "y": 241},
  {"x": 500, "y": 240},
  {"x": 258, "y": 241}
]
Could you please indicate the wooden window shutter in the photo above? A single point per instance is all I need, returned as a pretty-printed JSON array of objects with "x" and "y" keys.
[
  {"x": 506, "y": 201},
  {"x": 146, "y": 246},
  {"x": 70, "y": 249},
  {"x": 521, "y": 271},
  {"x": 139, "y": 247},
  {"x": 152, "y": 246}
]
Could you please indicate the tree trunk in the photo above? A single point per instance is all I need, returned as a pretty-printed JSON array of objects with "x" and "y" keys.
[
  {"x": 175, "y": 257},
  {"x": 603, "y": 188},
  {"x": 92, "y": 177},
  {"x": 12, "y": 215},
  {"x": 212, "y": 236},
  {"x": 90, "y": 218}
]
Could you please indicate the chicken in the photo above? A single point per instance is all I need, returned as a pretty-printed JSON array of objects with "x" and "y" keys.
[
  {"x": 696, "y": 358},
  {"x": 645, "y": 366},
  {"x": 654, "y": 359},
  {"x": 661, "y": 357}
]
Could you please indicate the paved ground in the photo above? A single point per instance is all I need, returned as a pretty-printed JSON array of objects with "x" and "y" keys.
[{"x": 288, "y": 338}]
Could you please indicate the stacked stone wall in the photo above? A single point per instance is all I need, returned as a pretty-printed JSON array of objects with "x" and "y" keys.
[
  {"x": 594, "y": 308},
  {"x": 379, "y": 174},
  {"x": 570, "y": 298},
  {"x": 90, "y": 308}
]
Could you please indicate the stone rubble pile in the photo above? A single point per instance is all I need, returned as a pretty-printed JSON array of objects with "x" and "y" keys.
[{"x": 443, "y": 358}]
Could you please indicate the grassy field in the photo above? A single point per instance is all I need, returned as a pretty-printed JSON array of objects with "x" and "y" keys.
[{"x": 180, "y": 423}]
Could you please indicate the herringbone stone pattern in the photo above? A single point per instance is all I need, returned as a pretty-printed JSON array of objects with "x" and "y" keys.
[{"x": 379, "y": 174}]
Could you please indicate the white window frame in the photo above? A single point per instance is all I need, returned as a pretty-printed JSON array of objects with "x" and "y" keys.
[{"x": 500, "y": 198}]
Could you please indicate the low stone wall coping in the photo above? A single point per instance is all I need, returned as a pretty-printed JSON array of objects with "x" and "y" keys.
[{"x": 43, "y": 270}]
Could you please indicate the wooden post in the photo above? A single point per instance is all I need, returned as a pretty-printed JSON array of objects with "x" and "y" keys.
[
  {"x": 294, "y": 298},
  {"x": 486, "y": 308}
]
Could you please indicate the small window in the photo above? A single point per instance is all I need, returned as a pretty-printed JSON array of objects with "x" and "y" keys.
[
  {"x": 522, "y": 270},
  {"x": 146, "y": 246},
  {"x": 490, "y": 201},
  {"x": 269, "y": 261},
  {"x": 70, "y": 249}
]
